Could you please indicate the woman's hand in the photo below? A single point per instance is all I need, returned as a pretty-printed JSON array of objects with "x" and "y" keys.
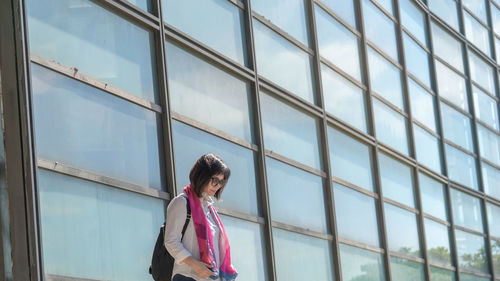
[{"x": 202, "y": 269}]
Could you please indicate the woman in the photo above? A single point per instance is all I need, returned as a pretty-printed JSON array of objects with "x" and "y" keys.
[{"x": 203, "y": 253}]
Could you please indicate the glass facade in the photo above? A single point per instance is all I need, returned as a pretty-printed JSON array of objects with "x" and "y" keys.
[{"x": 363, "y": 135}]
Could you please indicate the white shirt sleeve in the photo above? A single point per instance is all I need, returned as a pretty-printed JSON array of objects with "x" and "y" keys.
[{"x": 176, "y": 217}]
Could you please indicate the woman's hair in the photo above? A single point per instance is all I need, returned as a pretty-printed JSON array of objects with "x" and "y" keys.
[{"x": 204, "y": 169}]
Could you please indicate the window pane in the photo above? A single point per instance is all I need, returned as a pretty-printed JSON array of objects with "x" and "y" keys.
[
  {"x": 495, "y": 18},
  {"x": 417, "y": 60},
  {"x": 343, "y": 99},
  {"x": 439, "y": 274},
  {"x": 422, "y": 105},
  {"x": 470, "y": 277},
  {"x": 456, "y": 127},
  {"x": 390, "y": 126},
  {"x": 476, "y": 33},
  {"x": 438, "y": 242},
  {"x": 461, "y": 167},
  {"x": 482, "y": 72},
  {"x": 80, "y": 220},
  {"x": 451, "y": 86},
  {"x": 290, "y": 132},
  {"x": 495, "y": 252},
  {"x": 402, "y": 269},
  {"x": 343, "y": 8},
  {"x": 337, "y": 43},
  {"x": 413, "y": 19},
  {"x": 497, "y": 48},
  {"x": 387, "y": 5},
  {"x": 433, "y": 197},
  {"x": 119, "y": 139},
  {"x": 485, "y": 107},
  {"x": 477, "y": 7},
  {"x": 288, "y": 185},
  {"x": 215, "y": 91},
  {"x": 471, "y": 252},
  {"x": 356, "y": 216},
  {"x": 493, "y": 219},
  {"x": 489, "y": 144},
  {"x": 447, "y": 46},
  {"x": 290, "y": 67},
  {"x": 358, "y": 264},
  {"x": 299, "y": 257},
  {"x": 402, "y": 232},
  {"x": 385, "y": 78},
  {"x": 380, "y": 29},
  {"x": 196, "y": 18},
  {"x": 289, "y": 15},
  {"x": 396, "y": 179},
  {"x": 350, "y": 159},
  {"x": 99, "y": 43},
  {"x": 143, "y": 4},
  {"x": 427, "y": 148},
  {"x": 466, "y": 210},
  {"x": 190, "y": 144},
  {"x": 247, "y": 248},
  {"x": 491, "y": 180},
  {"x": 446, "y": 10}
]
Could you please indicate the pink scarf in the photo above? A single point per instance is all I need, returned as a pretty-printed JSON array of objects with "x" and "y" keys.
[{"x": 226, "y": 270}]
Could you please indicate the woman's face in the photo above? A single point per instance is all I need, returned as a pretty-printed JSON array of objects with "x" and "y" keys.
[{"x": 213, "y": 184}]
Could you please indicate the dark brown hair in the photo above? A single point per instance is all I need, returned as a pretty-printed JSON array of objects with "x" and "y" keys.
[{"x": 204, "y": 169}]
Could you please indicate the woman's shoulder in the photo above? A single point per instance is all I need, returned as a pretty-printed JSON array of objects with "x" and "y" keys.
[{"x": 178, "y": 202}]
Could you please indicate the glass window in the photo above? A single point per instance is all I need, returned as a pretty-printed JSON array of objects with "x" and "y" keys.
[
  {"x": 119, "y": 139},
  {"x": 402, "y": 232},
  {"x": 299, "y": 257},
  {"x": 485, "y": 107},
  {"x": 385, "y": 78},
  {"x": 446, "y": 10},
  {"x": 491, "y": 180},
  {"x": 414, "y": 20},
  {"x": 191, "y": 143},
  {"x": 343, "y": 8},
  {"x": 495, "y": 18},
  {"x": 247, "y": 248},
  {"x": 470, "y": 277},
  {"x": 350, "y": 159},
  {"x": 422, "y": 105},
  {"x": 493, "y": 219},
  {"x": 343, "y": 99},
  {"x": 482, "y": 72},
  {"x": 497, "y": 48},
  {"x": 433, "y": 197},
  {"x": 489, "y": 144},
  {"x": 97, "y": 42},
  {"x": 439, "y": 274},
  {"x": 495, "y": 252},
  {"x": 476, "y": 33},
  {"x": 387, "y": 5},
  {"x": 456, "y": 127},
  {"x": 358, "y": 264},
  {"x": 417, "y": 60},
  {"x": 290, "y": 67},
  {"x": 288, "y": 185},
  {"x": 380, "y": 29},
  {"x": 289, "y": 132},
  {"x": 79, "y": 217},
  {"x": 289, "y": 15},
  {"x": 477, "y": 7},
  {"x": 337, "y": 44},
  {"x": 451, "y": 86},
  {"x": 356, "y": 216},
  {"x": 215, "y": 91},
  {"x": 196, "y": 18},
  {"x": 461, "y": 167},
  {"x": 466, "y": 210},
  {"x": 402, "y": 269},
  {"x": 437, "y": 241},
  {"x": 390, "y": 126},
  {"x": 396, "y": 180},
  {"x": 447, "y": 46},
  {"x": 427, "y": 148},
  {"x": 471, "y": 252}
]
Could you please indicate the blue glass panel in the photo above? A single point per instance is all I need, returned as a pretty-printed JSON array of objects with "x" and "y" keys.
[
  {"x": 290, "y": 67},
  {"x": 427, "y": 148},
  {"x": 222, "y": 100},
  {"x": 290, "y": 132},
  {"x": 414, "y": 20},
  {"x": 447, "y": 46},
  {"x": 343, "y": 8},
  {"x": 439, "y": 274},
  {"x": 476, "y": 33},
  {"x": 477, "y": 7},
  {"x": 446, "y": 10},
  {"x": 422, "y": 105},
  {"x": 117, "y": 139},
  {"x": 456, "y": 127},
  {"x": 289, "y": 185},
  {"x": 493, "y": 219},
  {"x": 485, "y": 107},
  {"x": 356, "y": 216},
  {"x": 451, "y": 86},
  {"x": 402, "y": 232},
  {"x": 217, "y": 23},
  {"x": 359, "y": 265},
  {"x": 417, "y": 60},
  {"x": 495, "y": 18},
  {"x": 491, "y": 180},
  {"x": 433, "y": 197},
  {"x": 146, "y": 5},
  {"x": 343, "y": 99},
  {"x": 387, "y": 5},
  {"x": 482, "y": 72},
  {"x": 471, "y": 252},
  {"x": 396, "y": 180},
  {"x": 299, "y": 257},
  {"x": 402, "y": 269},
  {"x": 489, "y": 144},
  {"x": 289, "y": 15},
  {"x": 470, "y": 277},
  {"x": 385, "y": 78},
  {"x": 190, "y": 144},
  {"x": 466, "y": 210},
  {"x": 437, "y": 241},
  {"x": 80, "y": 221},
  {"x": 461, "y": 167},
  {"x": 380, "y": 29},
  {"x": 350, "y": 159},
  {"x": 99, "y": 43},
  {"x": 337, "y": 43},
  {"x": 495, "y": 253},
  {"x": 390, "y": 126}
]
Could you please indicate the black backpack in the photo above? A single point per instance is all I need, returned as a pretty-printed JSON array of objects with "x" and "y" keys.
[{"x": 162, "y": 262}]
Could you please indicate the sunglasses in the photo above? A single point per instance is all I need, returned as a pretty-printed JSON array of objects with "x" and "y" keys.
[{"x": 215, "y": 181}]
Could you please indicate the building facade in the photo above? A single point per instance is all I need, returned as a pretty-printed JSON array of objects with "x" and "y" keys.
[{"x": 363, "y": 135}]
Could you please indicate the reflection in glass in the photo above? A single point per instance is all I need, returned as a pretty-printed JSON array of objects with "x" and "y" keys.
[
  {"x": 495, "y": 253},
  {"x": 476, "y": 33},
  {"x": 414, "y": 20},
  {"x": 350, "y": 159},
  {"x": 470, "y": 277},
  {"x": 356, "y": 216},
  {"x": 495, "y": 18},
  {"x": 402, "y": 232},
  {"x": 396, "y": 180},
  {"x": 466, "y": 210},
  {"x": 456, "y": 127},
  {"x": 437, "y": 241},
  {"x": 358, "y": 264},
  {"x": 427, "y": 148},
  {"x": 387, "y": 5},
  {"x": 491, "y": 180},
  {"x": 447, "y": 46},
  {"x": 451, "y": 86},
  {"x": 215, "y": 91},
  {"x": 422, "y": 105},
  {"x": 146, "y": 5},
  {"x": 485, "y": 107},
  {"x": 493, "y": 219},
  {"x": 385, "y": 78},
  {"x": 417, "y": 60},
  {"x": 390, "y": 126},
  {"x": 461, "y": 167},
  {"x": 433, "y": 197},
  {"x": 477, "y": 7},
  {"x": 289, "y": 185},
  {"x": 439, "y": 274},
  {"x": 481, "y": 72},
  {"x": 446, "y": 10},
  {"x": 489, "y": 144},
  {"x": 190, "y": 143},
  {"x": 380, "y": 29},
  {"x": 402, "y": 269},
  {"x": 343, "y": 8},
  {"x": 471, "y": 252}
]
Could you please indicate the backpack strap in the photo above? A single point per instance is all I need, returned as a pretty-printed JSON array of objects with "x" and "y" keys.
[{"x": 188, "y": 216}]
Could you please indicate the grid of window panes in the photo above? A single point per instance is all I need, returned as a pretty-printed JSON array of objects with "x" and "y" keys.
[{"x": 363, "y": 135}]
